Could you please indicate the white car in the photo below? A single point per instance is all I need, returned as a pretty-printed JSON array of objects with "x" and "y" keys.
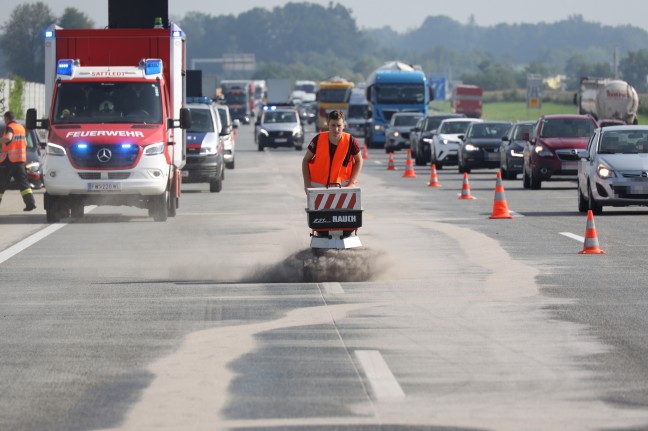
[
  {"x": 228, "y": 135},
  {"x": 447, "y": 140},
  {"x": 613, "y": 170}
]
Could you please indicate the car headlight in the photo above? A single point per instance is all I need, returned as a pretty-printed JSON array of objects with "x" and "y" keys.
[
  {"x": 471, "y": 147},
  {"x": 154, "y": 149},
  {"x": 428, "y": 140},
  {"x": 444, "y": 141},
  {"x": 32, "y": 167},
  {"x": 378, "y": 128},
  {"x": 297, "y": 132},
  {"x": 605, "y": 172},
  {"x": 263, "y": 132},
  {"x": 55, "y": 150},
  {"x": 395, "y": 134},
  {"x": 208, "y": 150},
  {"x": 516, "y": 152},
  {"x": 542, "y": 151}
]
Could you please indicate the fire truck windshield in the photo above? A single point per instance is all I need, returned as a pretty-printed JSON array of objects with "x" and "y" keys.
[{"x": 107, "y": 102}]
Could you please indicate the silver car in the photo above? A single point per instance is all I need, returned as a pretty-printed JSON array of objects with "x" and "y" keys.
[{"x": 613, "y": 170}]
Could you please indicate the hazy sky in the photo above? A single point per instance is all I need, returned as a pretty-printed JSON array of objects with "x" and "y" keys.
[{"x": 401, "y": 15}]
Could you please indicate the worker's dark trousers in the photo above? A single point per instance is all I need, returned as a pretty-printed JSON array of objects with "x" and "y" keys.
[{"x": 19, "y": 174}]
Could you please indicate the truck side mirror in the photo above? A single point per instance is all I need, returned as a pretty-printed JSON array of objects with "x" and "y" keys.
[
  {"x": 31, "y": 121},
  {"x": 185, "y": 118},
  {"x": 431, "y": 93}
]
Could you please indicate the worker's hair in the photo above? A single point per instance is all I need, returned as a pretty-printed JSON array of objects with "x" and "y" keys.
[
  {"x": 335, "y": 115},
  {"x": 9, "y": 116}
]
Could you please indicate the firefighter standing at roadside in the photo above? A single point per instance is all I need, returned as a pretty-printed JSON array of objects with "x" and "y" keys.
[
  {"x": 13, "y": 156},
  {"x": 332, "y": 157}
]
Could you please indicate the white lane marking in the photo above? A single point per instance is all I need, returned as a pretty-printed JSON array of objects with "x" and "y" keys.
[
  {"x": 332, "y": 288},
  {"x": 29, "y": 241},
  {"x": 33, "y": 239},
  {"x": 382, "y": 381},
  {"x": 573, "y": 236}
]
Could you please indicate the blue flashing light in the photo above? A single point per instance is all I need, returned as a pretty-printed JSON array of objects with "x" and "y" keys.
[
  {"x": 202, "y": 99},
  {"x": 176, "y": 33},
  {"x": 153, "y": 66},
  {"x": 49, "y": 34},
  {"x": 269, "y": 108},
  {"x": 64, "y": 67},
  {"x": 126, "y": 146},
  {"x": 82, "y": 146}
]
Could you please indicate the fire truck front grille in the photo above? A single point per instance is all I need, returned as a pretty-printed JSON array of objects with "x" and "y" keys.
[{"x": 104, "y": 156}]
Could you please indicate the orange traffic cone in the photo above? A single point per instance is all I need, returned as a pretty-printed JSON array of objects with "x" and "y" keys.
[
  {"x": 434, "y": 182},
  {"x": 390, "y": 163},
  {"x": 365, "y": 152},
  {"x": 500, "y": 208},
  {"x": 409, "y": 166},
  {"x": 465, "y": 188},
  {"x": 591, "y": 244}
]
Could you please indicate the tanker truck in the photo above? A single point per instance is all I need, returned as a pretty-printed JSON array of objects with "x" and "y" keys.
[{"x": 617, "y": 100}]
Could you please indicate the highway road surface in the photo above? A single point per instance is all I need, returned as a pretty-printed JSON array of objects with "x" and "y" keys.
[{"x": 223, "y": 318}]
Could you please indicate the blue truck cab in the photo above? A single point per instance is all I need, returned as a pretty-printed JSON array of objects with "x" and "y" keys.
[{"x": 390, "y": 91}]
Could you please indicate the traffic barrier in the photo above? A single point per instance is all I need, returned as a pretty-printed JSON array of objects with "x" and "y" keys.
[
  {"x": 365, "y": 152},
  {"x": 390, "y": 163},
  {"x": 465, "y": 188},
  {"x": 591, "y": 244},
  {"x": 409, "y": 166},
  {"x": 434, "y": 181},
  {"x": 500, "y": 207}
]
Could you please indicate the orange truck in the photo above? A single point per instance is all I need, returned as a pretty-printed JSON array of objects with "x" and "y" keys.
[{"x": 332, "y": 95}]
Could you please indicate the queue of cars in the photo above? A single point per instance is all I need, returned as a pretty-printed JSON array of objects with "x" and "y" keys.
[{"x": 608, "y": 160}]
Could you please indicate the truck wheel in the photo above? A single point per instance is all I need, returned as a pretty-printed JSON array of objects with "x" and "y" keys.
[
  {"x": 52, "y": 208},
  {"x": 159, "y": 206}
]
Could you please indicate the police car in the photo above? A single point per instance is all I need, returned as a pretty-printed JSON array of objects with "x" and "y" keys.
[
  {"x": 279, "y": 126},
  {"x": 205, "y": 162}
]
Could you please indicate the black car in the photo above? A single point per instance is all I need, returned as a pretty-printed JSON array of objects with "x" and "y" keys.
[
  {"x": 512, "y": 149},
  {"x": 480, "y": 145},
  {"x": 34, "y": 165},
  {"x": 421, "y": 137}
]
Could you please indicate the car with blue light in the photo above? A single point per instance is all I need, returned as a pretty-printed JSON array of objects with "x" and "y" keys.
[
  {"x": 613, "y": 169},
  {"x": 205, "y": 149},
  {"x": 512, "y": 149},
  {"x": 279, "y": 126},
  {"x": 481, "y": 144}
]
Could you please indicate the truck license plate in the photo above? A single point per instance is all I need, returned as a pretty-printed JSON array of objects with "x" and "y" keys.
[{"x": 104, "y": 187}]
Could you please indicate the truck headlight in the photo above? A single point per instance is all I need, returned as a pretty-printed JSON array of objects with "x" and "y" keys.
[
  {"x": 55, "y": 150},
  {"x": 605, "y": 172},
  {"x": 154, "y": 149}
]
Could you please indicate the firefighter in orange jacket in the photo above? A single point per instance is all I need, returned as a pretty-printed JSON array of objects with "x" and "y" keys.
[
  {"x": 332, "y": 157},
  {"x": 13, "y": 157}
]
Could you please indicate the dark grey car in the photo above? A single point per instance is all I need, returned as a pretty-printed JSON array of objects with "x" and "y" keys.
[{"x": 512, "y": 149}]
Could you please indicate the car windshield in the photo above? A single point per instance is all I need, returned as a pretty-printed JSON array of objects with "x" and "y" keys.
[
  {"x": 432, "y": 123},
  {"x": 201, "y": 121},
  {"x": 521, "y": 130},
  {"x": 489, "y": 130},
  {"x": 400, "y": 94},
  {"x": 280, "y": 117},
  {"x": 107, "y": 102},
  {"x": 405, "y": 120},
  {"x": 624, "y": 142},
  {"x": 454, "y": 127},
  {"x": 567, "y": 128}
]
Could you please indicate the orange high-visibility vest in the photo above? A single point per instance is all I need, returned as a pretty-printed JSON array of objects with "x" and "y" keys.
[
  {"x": 16, "y": 149},
  {"x": 324, "y": 172}
]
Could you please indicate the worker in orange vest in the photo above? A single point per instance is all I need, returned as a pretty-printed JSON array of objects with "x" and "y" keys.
[
  {"x": 332, "y": 157},
  {"x": 13, "y": 157}
]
